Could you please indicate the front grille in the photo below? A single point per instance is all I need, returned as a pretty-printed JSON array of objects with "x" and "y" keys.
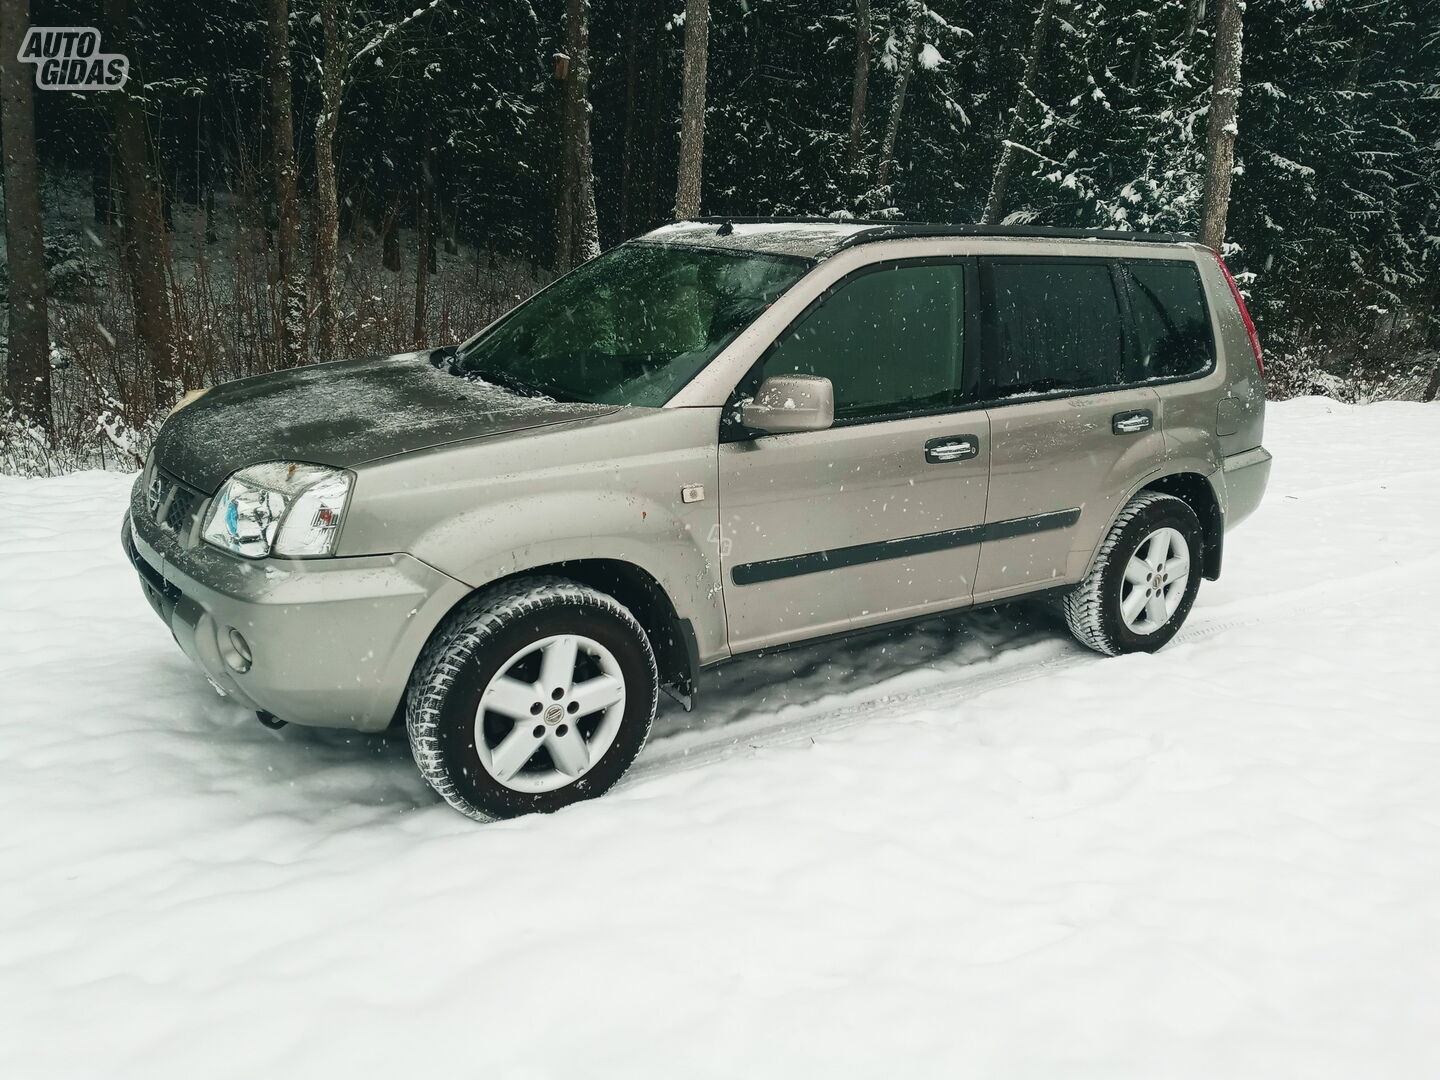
[
  {"x": 174, "y": 505},
  {"x": 180, "y": 515}
]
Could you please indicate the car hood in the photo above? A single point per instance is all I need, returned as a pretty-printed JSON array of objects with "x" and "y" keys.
[{"x": 344, "y": 414}]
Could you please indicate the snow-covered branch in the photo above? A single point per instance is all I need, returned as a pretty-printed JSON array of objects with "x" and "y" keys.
[{"x": 390, "y": 31}]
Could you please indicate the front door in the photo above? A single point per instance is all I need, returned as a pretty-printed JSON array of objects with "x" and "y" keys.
[
  {"x": 879, "y": 517},
  {"x": 1072, "y": 428}
]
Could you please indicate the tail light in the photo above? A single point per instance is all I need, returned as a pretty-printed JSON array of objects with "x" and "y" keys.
[{"x": 1244, "y": 314}]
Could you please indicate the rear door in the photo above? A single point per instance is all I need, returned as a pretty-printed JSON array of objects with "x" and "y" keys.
[
  {"x": 878, "y": 517},
  {"x": 1072, "y": 427},
  {"x": 1176, "y": 347}
]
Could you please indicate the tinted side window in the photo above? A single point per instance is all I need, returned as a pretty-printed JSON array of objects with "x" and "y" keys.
[
  {"x": 1056, "y": 327},
  {"x": 889, "y": 340},
  {"x": 1172, "y": 325}
]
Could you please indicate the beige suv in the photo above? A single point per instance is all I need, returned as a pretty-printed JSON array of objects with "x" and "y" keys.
[{"x": 719, "y": 438}]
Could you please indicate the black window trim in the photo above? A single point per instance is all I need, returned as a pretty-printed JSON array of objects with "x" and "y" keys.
[
  {"x": 1120, "y": 279},
  {"x": 731, "y": 430}
]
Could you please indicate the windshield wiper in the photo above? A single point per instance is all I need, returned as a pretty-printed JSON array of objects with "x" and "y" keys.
[{"x": 509, "y": 382}]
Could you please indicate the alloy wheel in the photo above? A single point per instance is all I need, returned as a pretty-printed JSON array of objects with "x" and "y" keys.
[
  {"x": 1156, "y": 578},
  {"x": 549, "y": 713}
]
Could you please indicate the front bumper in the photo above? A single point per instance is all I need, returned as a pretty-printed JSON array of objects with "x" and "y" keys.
[{"x": 332, "y": 641}]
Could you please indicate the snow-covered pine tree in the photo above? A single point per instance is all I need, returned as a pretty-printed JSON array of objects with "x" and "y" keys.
[{"x": 1335, "y": 209}]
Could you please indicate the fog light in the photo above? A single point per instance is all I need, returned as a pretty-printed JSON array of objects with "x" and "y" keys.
[{"x": 238, "y": 655}]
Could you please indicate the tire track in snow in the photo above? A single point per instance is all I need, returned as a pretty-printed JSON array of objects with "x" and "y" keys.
[{"x": 696, "y": 747}]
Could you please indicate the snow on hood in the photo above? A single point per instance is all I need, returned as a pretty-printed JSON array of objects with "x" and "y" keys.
[{"x": 343, "y": 414}]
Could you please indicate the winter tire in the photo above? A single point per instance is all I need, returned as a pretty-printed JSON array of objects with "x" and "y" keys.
[
  {"x": 531, "y": 697},
  {"x": 1143, "y": 582}
]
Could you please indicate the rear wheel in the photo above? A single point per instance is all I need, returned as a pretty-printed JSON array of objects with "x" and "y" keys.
[
  {"x": 533, "y": 696},
  {"x": 1144, "y": 580}
]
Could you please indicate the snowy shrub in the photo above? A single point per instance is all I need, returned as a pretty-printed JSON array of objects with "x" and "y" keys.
[
  {"x": 1345, "y": 376},
  {"x": 68, "y": 269},
  {"x": 106, "y": 402}
]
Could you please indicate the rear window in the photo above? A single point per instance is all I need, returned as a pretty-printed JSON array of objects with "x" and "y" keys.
[
  {"x": 1056, "y": 326},
  {"x": 1172, "y": 325}
]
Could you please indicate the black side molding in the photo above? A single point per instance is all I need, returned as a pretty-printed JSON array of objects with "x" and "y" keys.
[{"x": 858, "y": 554}]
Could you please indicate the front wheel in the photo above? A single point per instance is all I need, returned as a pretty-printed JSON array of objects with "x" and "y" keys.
[
  {"x": 1144, "y": 579},
  {"x": 532, "y": 697}
]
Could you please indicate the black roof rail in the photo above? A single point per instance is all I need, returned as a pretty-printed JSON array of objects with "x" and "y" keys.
[
  {"x": 782, "y": 219},
  {"x": 883, "y": 229}
]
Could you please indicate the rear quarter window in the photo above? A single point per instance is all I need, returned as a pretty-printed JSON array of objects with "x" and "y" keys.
[{"x": 1172, "y": 324}]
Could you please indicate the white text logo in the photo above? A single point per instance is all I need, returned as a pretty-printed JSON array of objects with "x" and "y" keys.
[{"x": 69, "y": 58}]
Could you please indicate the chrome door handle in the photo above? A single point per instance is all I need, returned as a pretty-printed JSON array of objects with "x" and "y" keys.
[
  {"x": 1128, "y": 423},
  {"x": 949, "y": 448}
]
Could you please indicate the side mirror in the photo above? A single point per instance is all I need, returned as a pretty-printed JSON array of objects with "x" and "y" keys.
[{"x": 786, "y": 403}]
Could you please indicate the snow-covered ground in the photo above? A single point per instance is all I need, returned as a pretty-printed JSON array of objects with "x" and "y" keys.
[{"x": 974, "y": 851}]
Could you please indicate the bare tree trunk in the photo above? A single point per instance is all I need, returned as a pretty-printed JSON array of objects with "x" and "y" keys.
[
  {"x": 632, "y": 103},
  {"x": 452, "y": 237},
  {"x": 424, "y": 249},
  {"x": 206, "y": 169},
  {"x": 390, "y": 238},
  {"x": 909, "y": 46},
  {"x": 1220, "y": 132},
  {"x": 1009, "y": 150},
  {"x": 568, "y": 180},
  {"x": 327, "y": 204},
  {"x": 143, "y": 250},
  {"x": 651, "y": 205},
  {"x": 287, "y": 192},
  {"x": 692, "y": 110},
  {"x": 1433, "y": 386},
  {"x": 28, "y": 369},
  {"x": 587, "y": 225},
  {"x": 102, "y": 203},
  {"x": 341, "y": 49},
  {"x": 446, "y": 208},
  {"x": 861, "y": 91},
  {"x": 577, "y": 236},
  {"x": 1194, "y": 12},
  {"x": 1142, "y": 53}
]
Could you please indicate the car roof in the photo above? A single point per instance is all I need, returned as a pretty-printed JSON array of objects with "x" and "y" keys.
[
  {"x": 804, "y": 238},
  {"x": 819, "y": 238}
]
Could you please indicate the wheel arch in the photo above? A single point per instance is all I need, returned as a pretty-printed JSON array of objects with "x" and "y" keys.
[
  {"x": 672, "y": 638},
  {"x": 1197, "y": 491},
  {"x": 677, "y": 652}
]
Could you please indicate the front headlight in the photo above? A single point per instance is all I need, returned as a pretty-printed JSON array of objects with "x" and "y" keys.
[{"x": 279, "y": 508}]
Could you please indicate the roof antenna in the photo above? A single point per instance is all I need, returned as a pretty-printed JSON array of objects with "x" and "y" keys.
[{"x": 725, "y": 229}]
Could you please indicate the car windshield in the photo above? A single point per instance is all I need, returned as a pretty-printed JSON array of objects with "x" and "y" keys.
[{"x": 631, "y": 327}]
